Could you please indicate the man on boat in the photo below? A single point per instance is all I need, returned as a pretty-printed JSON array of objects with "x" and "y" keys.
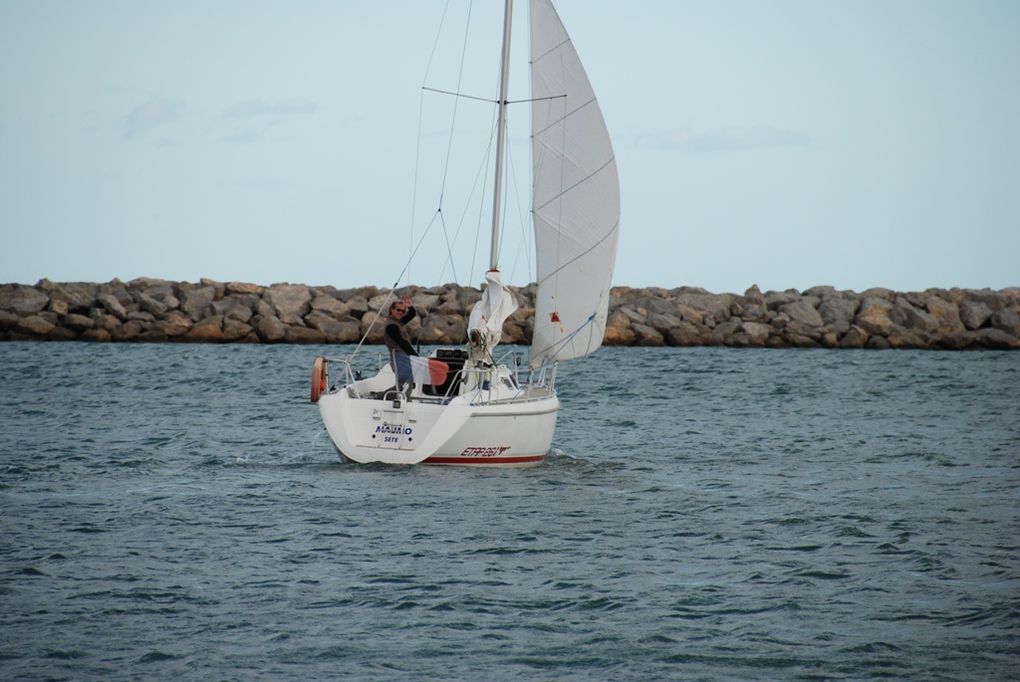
[{"x": 395, "y": 333}]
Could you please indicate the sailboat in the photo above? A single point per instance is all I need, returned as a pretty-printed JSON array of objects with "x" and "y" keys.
[{"x": 486, "y": 412}]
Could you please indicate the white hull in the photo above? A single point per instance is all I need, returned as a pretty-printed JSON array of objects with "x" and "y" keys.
[{"x": 501, "y": 426}]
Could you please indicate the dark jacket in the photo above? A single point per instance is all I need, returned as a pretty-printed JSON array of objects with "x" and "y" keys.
[{"x": 395, "y": 333}]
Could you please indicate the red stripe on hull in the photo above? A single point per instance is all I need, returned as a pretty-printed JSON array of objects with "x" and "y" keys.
[{"x": 485, "y": 460}]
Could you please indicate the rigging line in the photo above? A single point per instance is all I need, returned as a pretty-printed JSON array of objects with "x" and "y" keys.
[
  {"x": 485, "y": 183},
  {"x": 414, "y": 184},
  {"x": 534, "y": 99},
  {"x": 458, "y": 94},
  {"x": 551, "y": 50},
  {"x": 520, "y": 216},
  {"x": 576, "y": 184},
  {"x": 435, "y": 43},
  {"x": 467, "y": 204},
  {"x": 453, "y": 119},
  {"x": 556, "y": 348},
  {"x": 449, "y": 249},
  {"x": 421, "y": 110},
  {"x": 407, "y": 265},
  {"x": 583, "y": 253},
  {"x": 538, "y": 133}
]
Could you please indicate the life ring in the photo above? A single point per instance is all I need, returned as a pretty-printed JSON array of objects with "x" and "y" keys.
[{"x": 320, "y": 378}]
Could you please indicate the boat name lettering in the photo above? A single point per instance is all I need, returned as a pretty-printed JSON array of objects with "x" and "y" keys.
[
  {"x": 485, "y": 452},
  {"x": 394, "y": 428}
]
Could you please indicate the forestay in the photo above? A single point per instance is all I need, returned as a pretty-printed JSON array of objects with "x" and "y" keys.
[{"x": 575, "y": 197}]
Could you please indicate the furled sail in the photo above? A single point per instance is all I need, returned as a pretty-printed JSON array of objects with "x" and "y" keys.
[
  {"x": 575, "y": 197},
  {"x": 485, "y": 324}
]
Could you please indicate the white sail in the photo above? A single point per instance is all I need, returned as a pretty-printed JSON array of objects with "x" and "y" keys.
[
  {"x": 575, "y": 197},
  {"x": 485, "y": 324}
]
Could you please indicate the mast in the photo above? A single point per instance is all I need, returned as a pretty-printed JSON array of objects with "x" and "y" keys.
[{"x": 504, "y": 76}]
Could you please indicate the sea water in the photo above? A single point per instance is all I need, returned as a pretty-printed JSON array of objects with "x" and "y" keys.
[{"x": 178, "y": 512}]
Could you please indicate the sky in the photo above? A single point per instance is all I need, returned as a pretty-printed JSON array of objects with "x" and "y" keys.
[{"x": 787, "y": 144}]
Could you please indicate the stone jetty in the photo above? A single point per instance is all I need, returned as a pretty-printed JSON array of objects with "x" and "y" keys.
[{"x": 155, "y": 310}]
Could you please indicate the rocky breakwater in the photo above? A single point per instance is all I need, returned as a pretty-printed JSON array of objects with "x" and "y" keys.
[
  {"x": 821, "y": 317},
  {"x": 156, "y": 310}
]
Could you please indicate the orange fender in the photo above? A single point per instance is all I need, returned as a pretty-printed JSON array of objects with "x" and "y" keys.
[{"x": 320, "y": 378}]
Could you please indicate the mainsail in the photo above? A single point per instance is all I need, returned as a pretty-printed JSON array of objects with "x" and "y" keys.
[{"x": 575, "y": 197}]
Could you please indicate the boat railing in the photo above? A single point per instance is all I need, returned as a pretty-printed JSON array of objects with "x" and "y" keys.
[
  {"x": 537, "y": 378},
  {"x": 351, "y": 375}
]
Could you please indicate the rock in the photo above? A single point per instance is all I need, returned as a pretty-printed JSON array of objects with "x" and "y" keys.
[
  {"x": 799, "y": 340},
  {"x": 22, "y": 300},
  {"x": 690, "y": 314},
  {"x": 820, "y": 291},
  {"x": 945, "y": 314},
  {"x": 104, "y": 320},
  {"x": 877, "y": 343},
  {"x": 716, "y": 305},
  {"x": 116, "y": 289},
  {"x": 799, "y": 328},
  {"x": 218, "y": 287},
  {"x": 173, "y": 325},
  {"x": 78, "y": 323},
  {"x": 879, "y": 292},
  {"x": 129, "y": 331},
  {"x": 874, "y": 316},
  {"x": 443, "y": 329},
  {"x": 291, "y": 302},
  {"x": 633, "y": 315},
  {"x": 647, "y": 336},
  {"x": 359, "y": 306},
  {"x": 974, "y": 314},
  {"x": 837, "y": 313},
  {"x": 802, "y": 311},
  {"x": 855, "y": 337},
  {"x": 753, "y": 295},
  {"x": 235, "y": 307},
  {"x": 79, "y": 296},
  {"x": 996, "y": 339},
  {"x": 112, "y": 305},
  {"x": 146, "y": 283},
  {"x": 269, "y": 328},
  {"x": 59, "y": 307},
  {"x": 242, "y": 288},
  {"x": 957, "y": 340},
  {"x": 1007, "y": 320},
  {"x": 723, "y": 332},
  {"x": 33, "y": 325},
  {"x": 619, "y": 336},
  {"x": 195, "y": 301},
  {"x": 683, "y": 334},
  {"x": 906, "y": 338},
  {"x": 662, "y": 323},
  {"x": 992, "y": 299},
  {"x": 206, "y": 330},
  {"x": 151, "y": 305},
  {"x": 756, "y": 333},
  {"x": 97, "y": 335},
  {"x": 296, "y": 334},
  {"x": 372, "y": 329},
  {"x": 139, "y": 316},
  {"x": 776, "y": 299},
  {"x": 905, "y": 315},
  {"x": 330, "y": 306},
  {"x": 7, "y": 319},
  {"x": 334, "y": 331},
  {"x": 62, "y": 334},
  {"x": 236, "y": 330}
]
